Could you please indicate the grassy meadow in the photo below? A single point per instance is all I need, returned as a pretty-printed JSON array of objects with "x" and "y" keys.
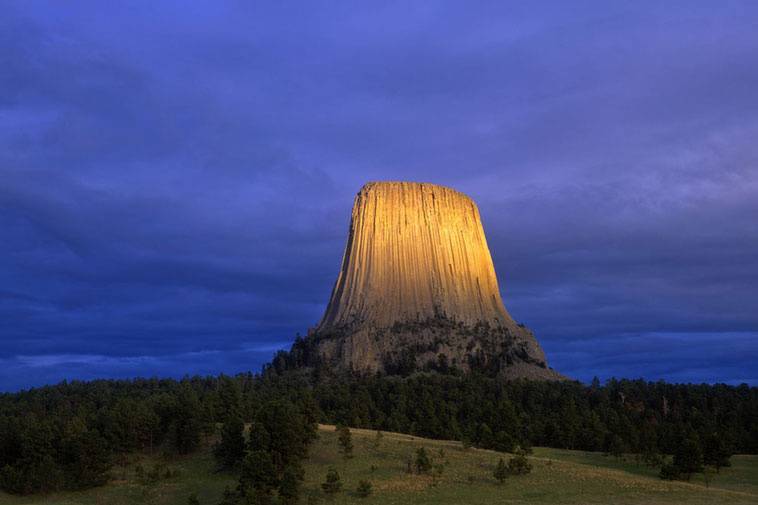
[{"x": 558, "y": 476}]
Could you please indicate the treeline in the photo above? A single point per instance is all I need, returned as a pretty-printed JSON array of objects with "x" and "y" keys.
[
  {"x": 622, "y": 416},
  {"x": 70, "y": 435}
]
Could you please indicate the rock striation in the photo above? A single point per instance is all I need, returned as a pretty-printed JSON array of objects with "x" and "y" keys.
[
  {"x": 415, "y": 251},
  {"x": 417, "y": 290}
]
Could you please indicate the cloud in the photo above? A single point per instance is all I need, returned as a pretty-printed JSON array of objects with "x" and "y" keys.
[
  {"x": 35, "y": 370},
  {"x": 184, "y": 185}
]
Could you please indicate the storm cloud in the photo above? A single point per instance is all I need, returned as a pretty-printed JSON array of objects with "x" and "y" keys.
[{"x": 176, "y": 179}]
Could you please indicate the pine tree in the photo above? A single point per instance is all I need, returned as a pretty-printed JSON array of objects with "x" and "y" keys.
[
  {"x": 84, "y": 457},
  {"x": 423, "y": 464},
  {"x": 258, "y": 476},
  {"x": 669, "y": 472},
  {"x": 229, "y": 398},
  {"x": 260, "y": 439},
  {"x": 333, "y": 484},
  {"x": 186, "y": 427},
  {"x": 378, "y": 440},
  {"x": 364, "y": 489},
  {"x": 519, "y": 465},
  {"x": 229, "y": 497},
  {"x": 486, "y": 438},
  {"x": 503, "y": 442},
  {"x": 437, "y": 471},
  {"x": 230, "y": 450},
  {"x": 708, "y": 473},
  {"x": 501, "y": 471},
  {"x": 345, "y": 440},
  {"x": 716, "y": 451},
  {"x": 289, "y": 485},
  {"x": 288, "y": 432},
  {"x": 688, "y": 458}
]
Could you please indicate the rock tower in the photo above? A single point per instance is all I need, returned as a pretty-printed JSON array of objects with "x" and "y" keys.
[{"x": 417, "y": 290}]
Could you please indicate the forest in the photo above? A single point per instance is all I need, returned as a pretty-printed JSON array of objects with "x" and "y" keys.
[{"x": 72, "y": 435}]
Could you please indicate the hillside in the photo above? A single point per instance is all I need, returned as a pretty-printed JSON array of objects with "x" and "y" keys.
[{"x": 559, "y": 476}]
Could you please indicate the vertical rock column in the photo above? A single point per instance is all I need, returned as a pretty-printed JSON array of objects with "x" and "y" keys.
[{"x": 414, "y": 250}]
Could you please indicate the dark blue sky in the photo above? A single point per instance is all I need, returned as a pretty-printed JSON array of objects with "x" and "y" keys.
[{"x": 176, "y": 180}]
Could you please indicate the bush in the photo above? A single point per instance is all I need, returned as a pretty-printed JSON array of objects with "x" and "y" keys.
[
  {"x": 378, "y": 440},
  {"x": 345, "y": 440},
  {"x": 519, "y": 465},
  {"x": 503, "y": 442},
  {"x": 423, "y": 464},
  {"x": 364, "y": 489},
  {"x": 669, "y": 471},
  {"x": 437, "y": 471},
  {"x": 333, "y": 484},
  {"x": 501, "y": 471}
]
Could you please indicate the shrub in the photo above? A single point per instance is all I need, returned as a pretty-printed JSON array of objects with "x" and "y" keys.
[
  {"x": 669, "y": 471},
  {"x": 501, "y": 471},
  {"x": 423, "y": 463},
  {"x": 519, "y": 465},
  {"x": 333, "y": 483},
  {"x": 364, "y": 489},
  {"x": 378, "y": 439},
  {"x": 345, "y": 440}
]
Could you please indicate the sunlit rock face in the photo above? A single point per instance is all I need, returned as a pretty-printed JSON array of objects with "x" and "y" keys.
[
  {"x": 417, "y": 290},
  {"x": 415, "y": 251}
]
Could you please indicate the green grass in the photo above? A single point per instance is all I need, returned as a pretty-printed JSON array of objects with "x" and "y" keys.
[{"x": 559, "y": 476}]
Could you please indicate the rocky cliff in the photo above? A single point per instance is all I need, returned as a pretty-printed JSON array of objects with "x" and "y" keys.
[
  {"x": 415, "y": 251},
  {"x": 417, "y": 289}
]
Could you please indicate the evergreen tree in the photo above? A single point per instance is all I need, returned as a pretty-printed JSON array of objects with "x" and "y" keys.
[
  {"x": 422, "y": 463},
  {"x": 229, "y": 398},
  {"x": 708, "y": 473},
  {"x": 519, "y": 465},
  {"x": 289, "y": 486},
  {"x": 130, "y": 424},
  {"x": 34, "y": 468},
  {"x": 186, "y": 425},
  {"x": 258, "y": 477},
  {"x": 437, "y": 471},
  {"x": 503, "y": 442},
  {"x": 377, "y": 443},
  {"x": 688, "y": 458},
  {"x": 230, "y": 450},
  {"x": 84, "y": 457},
  {"x": 669, "y": 472},
  {"x": 486, "y": 438},
  {"x": 259, "y": 438},
  {"x": 288, "y": 431},
  {"x": 229, "y": 497},
  {"x": 501, "y": 471},
  {"x": 332, "y": 484},
  {"x": 615, "y": 445},
  {"x": 345, "y": 440},
  {"x": 364, "y": 489},
  {"x": 716, "y": 451}
]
